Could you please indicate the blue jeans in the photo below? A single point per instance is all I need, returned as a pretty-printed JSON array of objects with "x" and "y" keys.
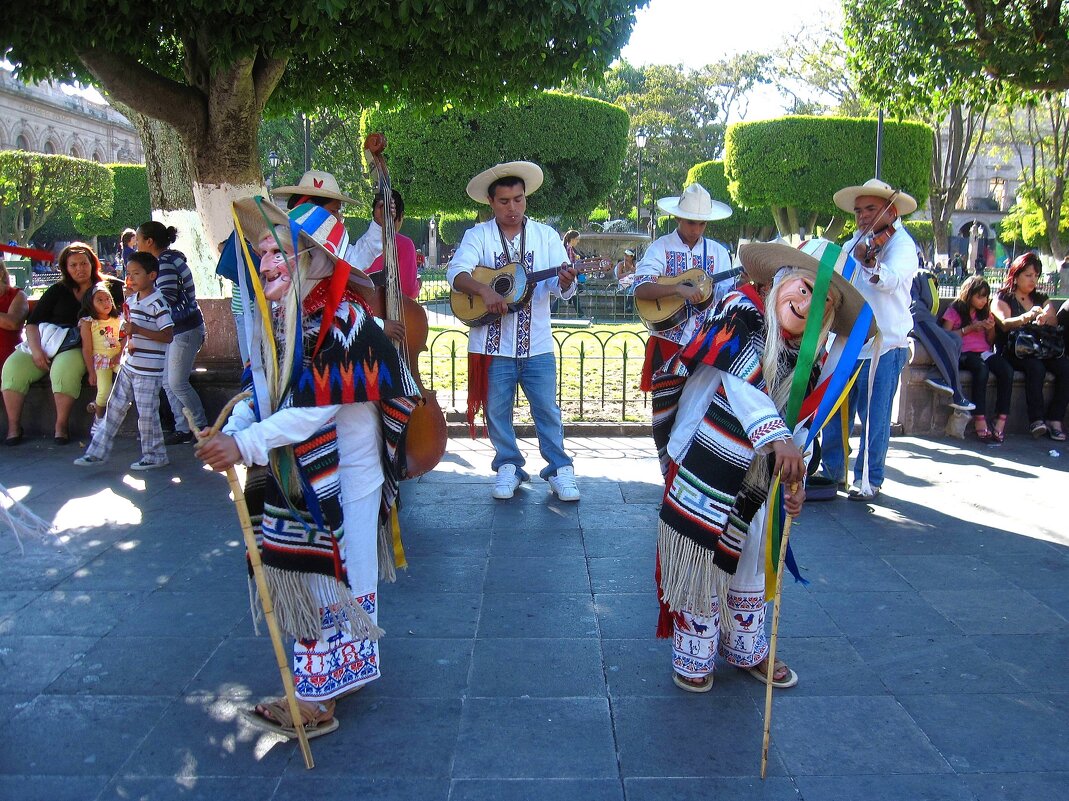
[
  {"x": 875, "y": 419},
  {"x": 538, "y": 377},
  {"x": 180, "y": 393}
]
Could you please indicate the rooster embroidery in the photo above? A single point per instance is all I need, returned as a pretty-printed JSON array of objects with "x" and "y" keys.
[{"x": 745, "y": 622}]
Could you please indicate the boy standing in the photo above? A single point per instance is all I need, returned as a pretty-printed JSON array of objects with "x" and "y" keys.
[{"x": 140, "y": 375}]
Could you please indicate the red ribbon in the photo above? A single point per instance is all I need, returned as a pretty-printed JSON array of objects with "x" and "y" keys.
[{"x": 29, "y": 253}]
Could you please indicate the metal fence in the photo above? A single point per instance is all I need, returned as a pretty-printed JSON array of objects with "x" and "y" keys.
[{"x": 598, "y": 373}]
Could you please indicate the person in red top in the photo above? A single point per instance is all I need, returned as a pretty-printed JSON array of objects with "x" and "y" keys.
[
  {"x": 13, "y": 310},
  {"x": 366, "y": 254}
]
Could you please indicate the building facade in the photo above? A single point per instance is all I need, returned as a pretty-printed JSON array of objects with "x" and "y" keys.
[{"x": 54, "y": 118}]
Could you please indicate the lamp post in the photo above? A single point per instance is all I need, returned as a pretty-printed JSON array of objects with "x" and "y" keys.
[
  {"x": 274, "y": 160},
  {"x": 640, "y": 145}
]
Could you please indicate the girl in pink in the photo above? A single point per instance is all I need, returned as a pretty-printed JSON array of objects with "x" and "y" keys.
[
  {"x": 102, "y": 341},
  {"x": 970, "y": 316}
]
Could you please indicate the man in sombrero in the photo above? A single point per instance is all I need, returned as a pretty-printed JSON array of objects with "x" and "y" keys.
[
  {"x": 517, "y": 348},
  {"x": 684, "y": 249},
  {"x": 887, "y": 262},
  {"x": 331, "y": 401}
]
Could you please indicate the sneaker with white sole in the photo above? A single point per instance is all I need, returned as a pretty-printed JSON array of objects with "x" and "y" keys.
[
  {"x": 141, "y": 464},
  {"x": 962, "y": 405},
  {"x": 563, "y": 484},
  {"x": 88, "y": 461},
  {"x": 939, "y": 386},
  {"x": 508, "y": 478}
]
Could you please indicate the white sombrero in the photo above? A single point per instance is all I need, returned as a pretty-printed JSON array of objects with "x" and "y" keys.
[
  {"x": 694, "y": 204},
  {"x": 315, "y": 183},
  {"x": 762, "y": 260},
  {"x": 874, "y": 187},
  {"x": 527, "y": 171}
]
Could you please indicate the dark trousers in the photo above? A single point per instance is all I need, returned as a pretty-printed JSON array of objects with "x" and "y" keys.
[
  {"x": 981, "y": 370},
  {"x": 1035, "y": 371}
]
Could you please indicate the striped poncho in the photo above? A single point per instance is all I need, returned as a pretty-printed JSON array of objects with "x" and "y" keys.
[
  {"x": 296, "y": 505},
  {"x": 711, "y": 495}
]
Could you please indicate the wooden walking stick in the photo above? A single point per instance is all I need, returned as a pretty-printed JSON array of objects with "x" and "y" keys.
[
  {"x": 772, "y": 642},
  {"x": 258, "y": 574}
]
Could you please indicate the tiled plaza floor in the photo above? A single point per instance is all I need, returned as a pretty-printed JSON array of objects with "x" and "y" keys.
[{"x": 519, "y": 661}]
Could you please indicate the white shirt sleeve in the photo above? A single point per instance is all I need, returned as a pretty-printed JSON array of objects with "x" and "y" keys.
[
  {"x": 285, "y": 427},
  {"x": 467, "y": 257},
  {"x": 756, "y": 412}
]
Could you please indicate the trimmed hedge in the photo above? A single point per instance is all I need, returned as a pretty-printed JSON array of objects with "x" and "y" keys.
[
  {"x": 37, "y": 185},
  {"x": 743, "y": 222},
  {"x": 132, "y": 205},
  {"x": 921, "y": 231},
  {"x": 578, "y": 142},
  {"x": 802, "y": 161}
]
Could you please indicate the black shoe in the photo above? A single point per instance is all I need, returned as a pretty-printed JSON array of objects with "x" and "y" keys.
[
  {"x": 62, "y": 440},
  {"x": 178, "y": 438},
  {"x": 13, "y": 441}
]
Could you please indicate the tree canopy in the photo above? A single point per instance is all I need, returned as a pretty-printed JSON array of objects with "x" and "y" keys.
[
  {"x": 211, "y": 68},
  {"x": 793, "y": 165},
  {"x": 744, "y": 223},
  {"x": 917, "y": 50},
  {"x": 578, "y": 142},
  {"x": 684, "y": 114},
  {"x": 34, "y": 186}
]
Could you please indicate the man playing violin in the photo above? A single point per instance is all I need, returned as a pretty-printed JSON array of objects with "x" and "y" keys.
[
  {"x": 684, "y": 249},
  {"x": 887, "y": 261},
  {"x": 516, "y": 348}
]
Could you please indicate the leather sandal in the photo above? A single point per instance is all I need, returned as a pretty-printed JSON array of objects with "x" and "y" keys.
[{"x": 317, "y": 718}]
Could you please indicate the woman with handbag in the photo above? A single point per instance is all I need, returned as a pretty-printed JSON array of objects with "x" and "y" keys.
[
  {"x": 1031, "y": 342},
  {"x": 52, "y": 346}
]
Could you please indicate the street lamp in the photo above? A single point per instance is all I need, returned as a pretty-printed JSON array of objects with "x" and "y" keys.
[
  {"x": 274, "y": 160},
  {"x": 640, "y": 145}
]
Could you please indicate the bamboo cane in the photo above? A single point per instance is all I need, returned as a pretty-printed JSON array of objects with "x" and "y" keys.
[
  {"x": 258, "y": 574},
  {"x": 772, "y": 642}
]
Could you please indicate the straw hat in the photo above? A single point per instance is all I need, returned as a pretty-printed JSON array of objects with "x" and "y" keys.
[
  {"x": 315, "y": 183},
  {"x": 316, "y": 228},
  {"x": 762, "y": 260},
  {"x": 527, "y": 171},
  {"x": 694, "y": 204},
  {"x": 874, "y": 187}
]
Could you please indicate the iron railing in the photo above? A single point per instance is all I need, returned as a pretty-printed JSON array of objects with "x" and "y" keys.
[{"x": 598, "y": 373}]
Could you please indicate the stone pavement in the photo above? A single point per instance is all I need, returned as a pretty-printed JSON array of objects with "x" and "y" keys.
[{"x": 519, "y": 661}]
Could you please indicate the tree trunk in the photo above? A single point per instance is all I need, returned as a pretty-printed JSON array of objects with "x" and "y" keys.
[
  {"x": 779, "y": 214},
  {"x": 216, "y": 115},
  {"x": 956, "y": 139},
  {"x": 834, "y": 228}
]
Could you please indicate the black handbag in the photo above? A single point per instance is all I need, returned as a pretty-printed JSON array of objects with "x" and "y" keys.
[{"x": 1037, "y": 341}]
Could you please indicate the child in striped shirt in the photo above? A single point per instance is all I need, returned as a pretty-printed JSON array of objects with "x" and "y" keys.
[{"x": 140, "y": 376}]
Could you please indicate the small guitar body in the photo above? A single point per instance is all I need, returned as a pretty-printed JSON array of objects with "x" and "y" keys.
[
  {"x": 666, "y": 313},
  {"x": 514, "y": 284},
  {"x": 510, "y": 282}
]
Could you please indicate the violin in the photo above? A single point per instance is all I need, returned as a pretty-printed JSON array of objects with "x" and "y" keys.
[
  {"x": 426, "y": 439},
  {"x": 874, "y": 242}
]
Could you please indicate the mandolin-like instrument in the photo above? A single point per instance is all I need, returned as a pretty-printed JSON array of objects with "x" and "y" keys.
[
  {"x": 666, "y": 313},
  {"x": 515, "y": 285}
]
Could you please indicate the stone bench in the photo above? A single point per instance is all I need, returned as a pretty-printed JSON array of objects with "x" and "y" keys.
[
  {"x": 216, "y": 377},
  {"x": 923, "y": 411}
]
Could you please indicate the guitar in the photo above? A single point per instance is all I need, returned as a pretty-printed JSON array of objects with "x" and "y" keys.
[
  {"x": 515, "y": 285},
  {"x": 665, "y": 313}
]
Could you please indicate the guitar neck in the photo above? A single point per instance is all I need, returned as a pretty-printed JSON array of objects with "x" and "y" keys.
[{"x": 579, "y": 267}]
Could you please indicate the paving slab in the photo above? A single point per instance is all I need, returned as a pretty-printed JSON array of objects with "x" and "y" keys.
[{"x": 519, "y": 660}]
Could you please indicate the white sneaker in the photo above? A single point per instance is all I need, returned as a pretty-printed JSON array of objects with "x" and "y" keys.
[
  {"x": 507, "y": 481},
  {"x": 563, "y": 484},
  {"x": 141, "y": 464},
  {"x": 86, "y": 461}
]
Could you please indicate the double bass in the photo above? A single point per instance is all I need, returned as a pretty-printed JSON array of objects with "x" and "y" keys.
[{"x": 426, "y": 439}]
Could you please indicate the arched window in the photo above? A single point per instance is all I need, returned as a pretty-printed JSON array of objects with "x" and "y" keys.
[
  {"x": 49, "y": 147},
  {"x": 22, "y": 143},
  {"x": 97, "y": 157}
]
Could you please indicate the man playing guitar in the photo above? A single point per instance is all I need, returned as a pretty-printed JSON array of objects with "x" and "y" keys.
[
  {"x": 516, "y": 348},
  {"x": 684, "y": 249}
]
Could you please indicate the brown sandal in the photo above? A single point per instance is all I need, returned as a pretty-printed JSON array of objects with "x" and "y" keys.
[{"x": 317, "y": 718}]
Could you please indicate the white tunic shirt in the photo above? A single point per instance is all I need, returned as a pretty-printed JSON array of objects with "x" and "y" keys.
[
  {"x": 889, "y": 297},
  {"x": 527, "y": 331},
  {"x": 669, "y": 255}
]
